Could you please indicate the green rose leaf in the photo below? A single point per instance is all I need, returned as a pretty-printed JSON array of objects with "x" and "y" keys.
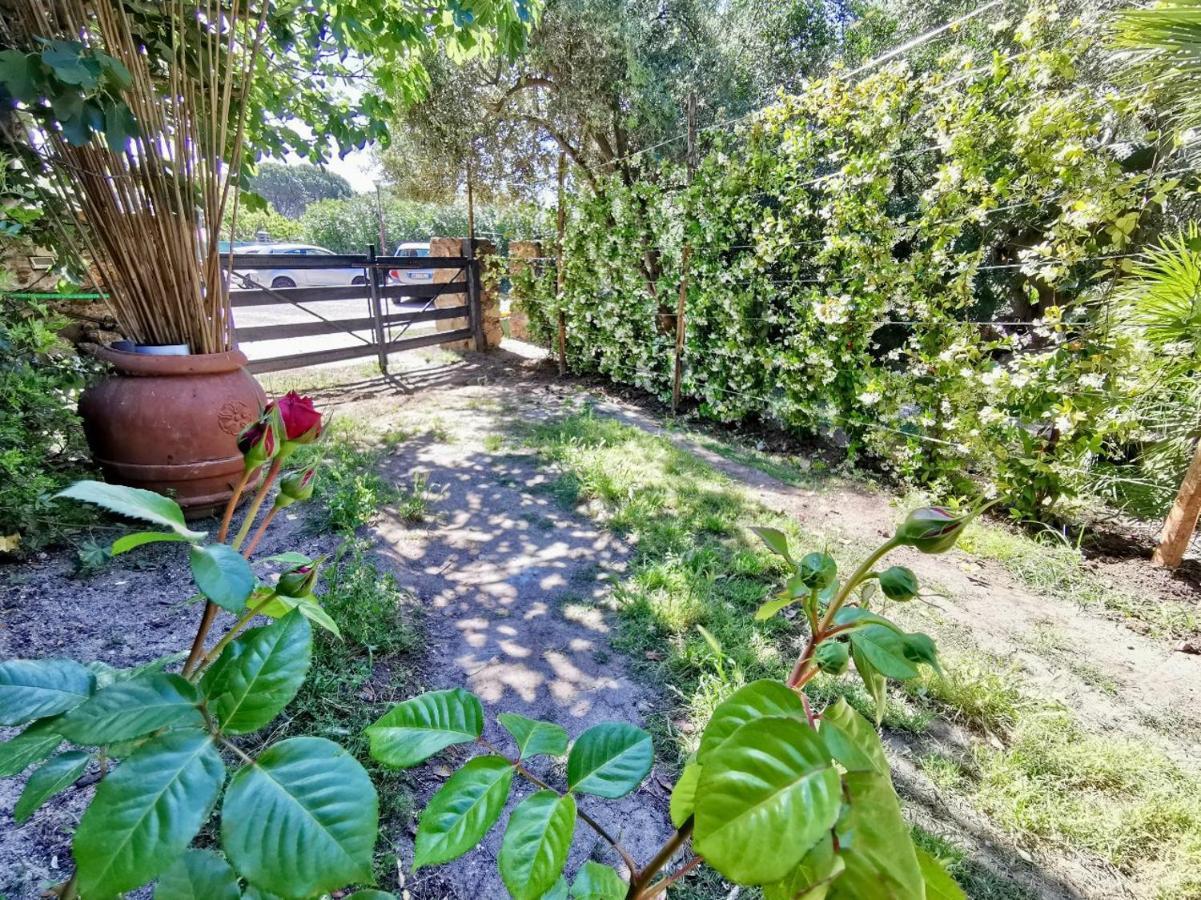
[
  {"x": 413, "y": 731},
  {"x": 939, "y": 884},
  {"x": 129, "y": 542},
  {"x": 198, "y": 875},
  {"x": 776, "y": 540},
  {"x": 222, "y": 575},
  {"x": 534, "y": 849},
  {"x": 885, "y": 650},
  {"x": 609, "y": 760},
  {"x": 852, "y": 740},
  {"x": 534, "y": 738},
  {"x": 48, "y": 780},
  {"x": 765, "y": 697},
  {"x": 771, "y": 777},
  {"x": 683, "y": 795},
  {"x": 872, "y": 680},
  {"x": 874, "y": 843},
  {"x": 860, "y": 617},
  {"x": 302, "y": 818},
  {"x": 32, "y": 745},
  {"x": 146, "y": 812},
  {"x": 36, "y": 688},
  {"x": 462, "y": 812},
  {"x": 259, "y": 673},
  {"x": 130, "y": 709},
  {"x": 809, "y": 880},
  {"x": 771, "y": 607},
  {"x": 596, "y": 881},
  {"x": 134, "y": 503}
]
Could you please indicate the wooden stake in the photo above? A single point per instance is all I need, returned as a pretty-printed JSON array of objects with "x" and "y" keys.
[
  {"x": 1181, "y": 522},
  {"x": 686, "y": 256},
  {"x": 562, "y": 227},
  {"x": 470, "y": 209}
]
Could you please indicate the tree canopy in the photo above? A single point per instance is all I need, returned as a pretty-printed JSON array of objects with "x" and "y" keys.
[{"x": 290, "y": 189}]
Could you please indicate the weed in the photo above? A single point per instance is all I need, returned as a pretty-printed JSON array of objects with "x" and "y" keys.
[
  {"x": 413, "y": 505},
  {"x": 978, "y": 692},
  {"x": 493, "y": 443},
  {"x": 349, "y": 489},
  {"x": 944, "y": 771},
  {"x": 977, "y": 881}
]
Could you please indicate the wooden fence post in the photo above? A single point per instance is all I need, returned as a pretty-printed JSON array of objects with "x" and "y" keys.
[
  {"x": 377, "y": 312},
  {"x": 685, "y": 258},
  {"x": 1181, "y": 522},
  {"x": 559, "y": 274}
]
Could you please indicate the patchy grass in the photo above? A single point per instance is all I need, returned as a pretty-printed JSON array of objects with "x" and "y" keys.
[
  {"x": 1058, "y": 785},
  {"x": 798, "y": 471},
  {"x": 354, "y": 679},
  {"x": 977, "y": 881},
  {"x": 1048, "y": 565},
  {"x": 978, "y": 691}
]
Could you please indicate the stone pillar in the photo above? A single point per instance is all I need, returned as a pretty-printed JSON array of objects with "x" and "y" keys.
[
  {"x": 489, "y": 298},
  {"x": 520, "y": 252}
]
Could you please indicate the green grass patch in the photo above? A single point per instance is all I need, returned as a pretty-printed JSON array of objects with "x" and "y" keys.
[
  {"x": 1116, "y": 798},
  {"x": 978, "y": 881},
  {"x": 977, "y": 691},
  {"x": 1047, "y": 565},
  {"x": 799, "y": 471}
]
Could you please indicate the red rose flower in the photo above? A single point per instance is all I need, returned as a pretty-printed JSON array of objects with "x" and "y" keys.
[{"x": 300, "y": 417}]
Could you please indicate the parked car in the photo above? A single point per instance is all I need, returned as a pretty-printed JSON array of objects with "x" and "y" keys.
[
  {"x": 411, "y": 250},
  {"x": 285, "y": 277}
]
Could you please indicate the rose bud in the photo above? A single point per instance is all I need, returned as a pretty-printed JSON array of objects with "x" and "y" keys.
[
  {"x": 817, "y": 571},
  {"x": 898, "y": 583},
  {"x": 832, "y": 657},
  {"x": 932, "y": 529},
  {"x": 302, "y": 421},
  {"x": 260, "y": 442},
  {"x": 299, "y": 582},
  {"x": 295, "y": 486}
]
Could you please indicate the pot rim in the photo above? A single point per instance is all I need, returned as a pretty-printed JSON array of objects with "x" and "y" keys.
[{"x": 193, "y": 364}]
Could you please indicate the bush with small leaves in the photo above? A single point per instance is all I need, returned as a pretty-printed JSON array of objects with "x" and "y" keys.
[
  {"x": 299, "y": 818},
  {"x": 796, "y": 801}
]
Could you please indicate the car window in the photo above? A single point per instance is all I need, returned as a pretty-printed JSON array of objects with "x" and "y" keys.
[{"x": 424, "y": 251}]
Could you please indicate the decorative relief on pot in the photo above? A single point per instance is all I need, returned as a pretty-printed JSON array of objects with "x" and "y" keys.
[{"x": 233, "y": 417}]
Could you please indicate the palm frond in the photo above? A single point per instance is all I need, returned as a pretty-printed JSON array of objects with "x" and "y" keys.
[{"x": 1162, "y": 45}]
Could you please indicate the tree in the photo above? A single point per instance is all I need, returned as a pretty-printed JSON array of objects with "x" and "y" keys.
[{"x": 290, "y": 189}]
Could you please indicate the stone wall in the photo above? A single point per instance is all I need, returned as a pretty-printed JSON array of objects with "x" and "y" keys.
[{"x": 489, "y": 299}]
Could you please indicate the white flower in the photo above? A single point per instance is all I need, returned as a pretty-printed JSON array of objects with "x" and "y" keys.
[
  {"x": 869, "y": 398},
  {"x": 1096, "y": 381}
]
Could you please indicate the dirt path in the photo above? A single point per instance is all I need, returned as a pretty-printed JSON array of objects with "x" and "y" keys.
[{"x": 499, "y": 568}]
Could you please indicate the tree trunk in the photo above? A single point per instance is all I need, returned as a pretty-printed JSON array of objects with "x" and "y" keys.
[{"x": 1178, "y": 528}]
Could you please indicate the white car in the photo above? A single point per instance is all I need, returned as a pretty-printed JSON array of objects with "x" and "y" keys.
[
  {"x": 411, "y": 250},
  {"x": 285, "y": 277}
]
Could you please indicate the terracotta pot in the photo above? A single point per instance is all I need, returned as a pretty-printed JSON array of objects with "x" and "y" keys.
[{"x": 170, "y": 424}]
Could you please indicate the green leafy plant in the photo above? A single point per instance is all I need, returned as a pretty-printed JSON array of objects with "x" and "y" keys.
[
  {"x": 300, "y": 817},
  {"x": 797, "y": 801}
]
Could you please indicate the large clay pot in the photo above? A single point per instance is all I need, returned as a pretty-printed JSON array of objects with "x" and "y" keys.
[{"x": 170, "y": 424}]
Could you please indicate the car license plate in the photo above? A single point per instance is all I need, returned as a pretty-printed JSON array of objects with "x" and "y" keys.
[{"x": 420, "y": 276}]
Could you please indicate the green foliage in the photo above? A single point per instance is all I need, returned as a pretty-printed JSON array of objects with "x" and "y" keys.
[
  {"x": 41, "y": 441},
  {"x": 299, "y": 817},
  {"x": 463, "y": 811},
  {"x": 290, "y": 189},
  {"x": 845, "y": 248},
  {"x": 413, "y": 731}
]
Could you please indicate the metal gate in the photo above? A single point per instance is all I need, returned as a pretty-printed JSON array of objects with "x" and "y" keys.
[{"x": 379, "y": 332}]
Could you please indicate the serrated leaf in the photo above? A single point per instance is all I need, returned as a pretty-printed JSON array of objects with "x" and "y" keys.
[
  {"x": 852, "y": 740},
  {"x": 874, "y": 843},
  {"x": 771, "y": 777},
  {"x": 48, "y": 780},
  {"x": 32, "y": 745},
  {"x": 609, "y": 760},
  {"x": 302, "y": 818},
  {"x": 130, "y": 709},
  {"x": 776, "y": 541},
  {"x": 135, "y": 503},
  {"x": 146, "y": 812},
  {"x": 683, "y": 795},
  {"x": 36, "y": 688},
  {"x": 534, "y": 738},
  {"x": 939, "y": 884},
  {"x": 462, "y": 812},
  {"x": 223, "y": 575},
  {"x": 596, "y": 881},
  {"x": 258, "y": 674},
  {"x": 811, "y": 878},
  {"x": 413, "y": 731},
  {"x": 129, "y": 542},
  {"x": 198, "y": 875},
  {"x": 534, "y": 849},
  {"x": 765, "y": 697}
]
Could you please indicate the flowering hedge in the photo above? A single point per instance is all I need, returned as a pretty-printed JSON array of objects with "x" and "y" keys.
[{"x": 918, "y": 264}]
